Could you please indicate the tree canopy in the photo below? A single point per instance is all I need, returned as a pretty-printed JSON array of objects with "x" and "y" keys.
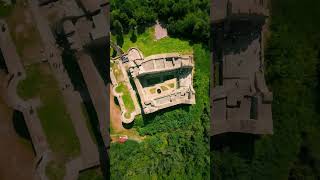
[{"x": 187, "y": 19}]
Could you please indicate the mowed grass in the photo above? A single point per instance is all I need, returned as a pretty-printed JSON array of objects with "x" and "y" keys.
[
  {"x": 117, "y": 71},
  {"x": 127, "y": 100},
  {"x": 55, "y": 170},
  {"x": 147, "y": 44},
  {"x": 24, "y": 33},
  {"x": 55, "y": 120}
]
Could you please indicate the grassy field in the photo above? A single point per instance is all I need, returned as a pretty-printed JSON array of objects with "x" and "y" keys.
[
  {"x": 24, "y": 32},
  {"x": 52, "y": 113},
  {"x": 146, "y": 43},
  {"x": 117, "y": 72},
  {"x": 127, "y": 100},
  {"x": 55, "y": 170}
]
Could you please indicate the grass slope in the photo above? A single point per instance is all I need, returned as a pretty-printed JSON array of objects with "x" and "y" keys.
[{"x": 146, "y": 43}]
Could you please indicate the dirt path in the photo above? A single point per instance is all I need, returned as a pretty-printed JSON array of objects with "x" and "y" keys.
[
  {"x": 17, "y": 158},
  {"x": 159, "y": 31}
]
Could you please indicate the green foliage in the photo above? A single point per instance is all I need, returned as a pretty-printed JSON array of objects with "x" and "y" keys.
[
  {"x": 55, "y": 170},
  {"x": 145, "y": 42},
  {"x": 91, "y": 174},
  {"x": 184, "y": 18},
  {"x": 132, "y": 13}
]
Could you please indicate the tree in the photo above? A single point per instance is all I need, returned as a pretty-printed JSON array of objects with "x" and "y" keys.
[{"x": 118, "y": 29}]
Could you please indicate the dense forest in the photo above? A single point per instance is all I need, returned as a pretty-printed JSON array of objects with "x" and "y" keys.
[
  {"x": 183, "y": 18},
  {"x": 292, "y": 62},
  {"x": 177, "y": 143}
]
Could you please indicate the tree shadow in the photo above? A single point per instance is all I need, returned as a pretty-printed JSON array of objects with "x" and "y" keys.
[
  {"x": 133, "y": 37},
  {"x": 20, "y": 125},
  {"x": 128, "y": 125},
  {"x": 120, "y": 40}
]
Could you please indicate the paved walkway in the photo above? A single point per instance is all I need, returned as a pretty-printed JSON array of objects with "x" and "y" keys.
[{"x": 159, "y": 31}]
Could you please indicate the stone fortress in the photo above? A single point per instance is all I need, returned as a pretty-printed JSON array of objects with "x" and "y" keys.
[
  {"x": 161, "y": 80},
  {"x": 241, "y": 101}
]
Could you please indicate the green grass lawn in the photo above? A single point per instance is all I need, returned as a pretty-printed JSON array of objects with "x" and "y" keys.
[
  {"x": 55, "y": 170},
  {"x": 146, "y": 43},
  {"x": 127, "y": 100},
  {"x": 54, "y": 118},
  {"x": 117, "y": 72},
  {"x": 171, "y": 85},
  {"x": 29, "y": 36}
]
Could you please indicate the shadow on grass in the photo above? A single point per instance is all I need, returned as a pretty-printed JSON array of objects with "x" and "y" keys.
[
  {"x": 128, "y": 125},
  {"x": 21, "y": 127}
]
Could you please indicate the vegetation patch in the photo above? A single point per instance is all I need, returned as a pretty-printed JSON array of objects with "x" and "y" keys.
[
  {"x": 91, "y": 174},
  {"x": 126, "y": 97},
  {"x": 24, "y": 32},
  {"x": 152, "y": 90},
  {"x": 171, "y": 85},
  {"x": 55, "y": 170},
  {"x": 117, "y": 72},
  {"x": 148, "y": 46}
]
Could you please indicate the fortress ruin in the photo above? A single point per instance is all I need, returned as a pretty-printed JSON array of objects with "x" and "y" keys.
[{"x": 160, "y": 81}]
